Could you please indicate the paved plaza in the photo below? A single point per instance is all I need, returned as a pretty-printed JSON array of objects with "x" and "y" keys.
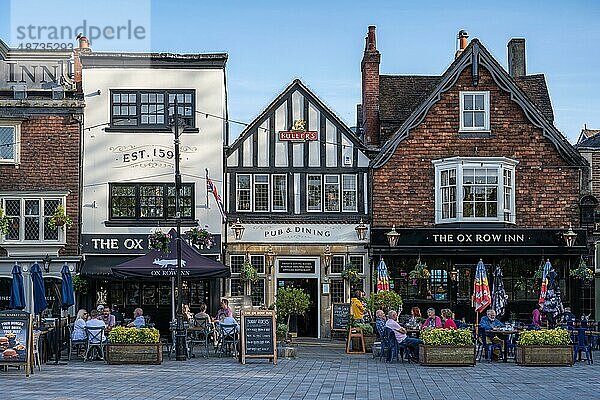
[{"x": 321, "y": 371}]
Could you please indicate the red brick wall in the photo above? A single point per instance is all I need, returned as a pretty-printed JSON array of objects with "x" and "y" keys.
[
  {"x": 595, "y": 186},
  {"x": 49, "y": 161},
  {"x": 370, "y": 96},
  {"x": 547, "y": 189}
]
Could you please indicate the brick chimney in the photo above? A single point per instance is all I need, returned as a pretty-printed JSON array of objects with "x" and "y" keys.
[
  {"x": 462, "y": 42},
  {"x": 84, "y": 47},
  {"x": 370, "y": 89},
  {"x": 516, "y": 57}
]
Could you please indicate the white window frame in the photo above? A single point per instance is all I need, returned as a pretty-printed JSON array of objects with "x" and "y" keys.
[
  {"x": 237, "y": 192},
  {"x": 308, "y": 176},
  {"x": 460, "y": 163},
  {"x": 41, "y": 198},
  {"x": 486, "y": 109},
  {"x": 16, "y": 125},
  {"x": 254, "y": 185},
  {"x": 355, "y": 209},
  {"x": 261, "y": 275},
  {"x": 338, "y": 187},
  {"x": 285, "y": 194}
]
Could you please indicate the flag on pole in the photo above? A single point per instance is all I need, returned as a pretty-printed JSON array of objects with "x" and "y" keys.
[
  {"x": 544, "y": 288},
  {"x": 211, "y": 188},
  {"x": 383, "y": 279},
  {"x": 481, "y": 291},
  {"x": 498, "y": 293}
]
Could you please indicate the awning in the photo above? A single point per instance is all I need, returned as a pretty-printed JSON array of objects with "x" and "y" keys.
[
  {"x": 157, "y": 265},
  {"x": 101, "y": 265}
]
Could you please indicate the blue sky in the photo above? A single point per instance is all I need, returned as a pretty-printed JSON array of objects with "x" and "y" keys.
[{"x": 271, "y": 43}]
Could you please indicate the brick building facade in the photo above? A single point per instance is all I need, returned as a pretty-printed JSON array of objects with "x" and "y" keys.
[
  {"x": 469, "y": 166},
  {"x": 40, "y": 129}
]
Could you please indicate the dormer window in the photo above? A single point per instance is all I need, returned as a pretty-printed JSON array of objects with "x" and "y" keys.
[{"x": 474, "y": 111}]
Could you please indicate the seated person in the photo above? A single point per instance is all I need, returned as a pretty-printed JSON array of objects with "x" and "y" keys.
[
  {"x": 380, "y": 322},
  {"x": 415, "y": 318},
  {"x": 401, "y": 337},
  {"x": 139, "y": 321},
  {"x": 489, "y": 321},
  {"x": 432, "y": 321},
  {"x": 108, "y": 319},
  {"x": 224, "y": 310},
  {"x": 567, "y": 317},
  {"x": 94, "y": 322},
  {"x": 536, "y": 316},
  {"x": 231, "y": 321},
  {"x": 202, "y": 313},
  {"x": 447, "y": 317},
  {"x": 79, "y": 326},
  {"x": 188, "y": 315},
  {"x": 357, "y": 307}
]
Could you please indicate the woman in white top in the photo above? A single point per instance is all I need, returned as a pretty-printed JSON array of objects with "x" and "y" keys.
[{"x": 79, "y": 326}]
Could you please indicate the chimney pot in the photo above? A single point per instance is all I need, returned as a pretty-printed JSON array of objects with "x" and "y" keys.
[
  {"x": 371, "y": 40},
  {"x": 516, "y": 57},
  {"x": 462, "y": 39}
]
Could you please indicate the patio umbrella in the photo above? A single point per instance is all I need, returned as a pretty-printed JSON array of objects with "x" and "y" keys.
[
  {"x": 39, "y": 289},
  {"x": 17, "y": 294},
  {"x": 68, "y": 299},
  {"x": 481, "y": 290},
  {"x": 383, "y": 278},
  {"x": 498, "y": 293},
  {"x": 551, "y": 298}
]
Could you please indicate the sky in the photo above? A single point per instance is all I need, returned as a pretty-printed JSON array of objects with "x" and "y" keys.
[{"x": 321, "y": 42}]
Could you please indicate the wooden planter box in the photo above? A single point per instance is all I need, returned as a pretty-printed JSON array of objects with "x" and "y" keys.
[
  {"x": 369, "y": 340},
  {"x": 446, "y": 355},
  {"x": 134, "y": 353},
  {"x": 541, "y": 356}
]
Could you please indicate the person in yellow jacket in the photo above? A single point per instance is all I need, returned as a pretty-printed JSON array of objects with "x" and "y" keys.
[{"x": 357, "y": 307}]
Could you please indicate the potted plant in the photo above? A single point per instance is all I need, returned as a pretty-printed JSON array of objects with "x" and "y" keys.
[
  {"x": 158, "y": 240},
  {"x": 384, "y": 300},
  {"x": 447, "y": 347},
  {"x": 291, "y": 302},
  {"x": 368, "y": 335},
  {"x": 248, "y": 275},
  {"x": 420, "y": 274},
  {"x": 133, "y": 346},
  {"x": 547, "y": 347},
  {"x": 350, "y": 273},
  {"x": 200, "y": 237},
  {"x": 4, "y": 222},
  {"x": 583, "y": 273},
  {"x": 59, "y": 218}
]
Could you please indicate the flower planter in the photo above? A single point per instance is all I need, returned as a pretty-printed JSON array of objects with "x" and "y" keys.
[
  {"x": 542, "y": 356},
  {"x": 134, "y": 353},
  {"x": 430, "y": 355}
]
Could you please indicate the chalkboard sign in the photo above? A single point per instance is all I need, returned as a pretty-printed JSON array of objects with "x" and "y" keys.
[
  {"x": 258, "y": 335},
  {"x": 340, "y": 316},
  {"x": 16, "y": 338}
]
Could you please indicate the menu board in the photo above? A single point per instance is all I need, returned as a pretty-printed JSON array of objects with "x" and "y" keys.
[
  {"x": 258, "y": 335},
  {"x": 16, "y": 338},
  {"x": 340, "y": 316}
]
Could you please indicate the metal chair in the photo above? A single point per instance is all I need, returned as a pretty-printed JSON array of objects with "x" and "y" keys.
[
  {"x": 484, "y": 347},
  {"x": 199, "y": 335},
  {"x": 581, "y": 344},
  {"x": 74, "y": 344},
  {"x": 36, "y": 350},
  {"x": 96, "y": 342},
  {"x": 228, "y": 340}
]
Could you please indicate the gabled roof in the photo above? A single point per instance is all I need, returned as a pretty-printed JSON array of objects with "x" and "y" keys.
[
  {"x": 312, "y": 98},
  {"x": 474, "y": 55},
  {"x": 586, "y": 138},
  {"x": 400, "y": 95}
]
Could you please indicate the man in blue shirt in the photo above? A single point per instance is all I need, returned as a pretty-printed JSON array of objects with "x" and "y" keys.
[
  {"x": 489, "y": 322},
  {"x": 139, "y": 321}
]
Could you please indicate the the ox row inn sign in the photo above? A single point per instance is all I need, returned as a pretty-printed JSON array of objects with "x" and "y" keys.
[
  {"x": 34, "y": 74},
  {"x": 461, "y": 237},
  {"x": 128, "y": 244}
]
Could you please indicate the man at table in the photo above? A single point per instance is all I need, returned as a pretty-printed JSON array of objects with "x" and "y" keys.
[
  {"x": 94, "y": 322},
  {"x": 139, "y": 321},
  {"x": 401, "y": 337},
  {"x": 489, "y": 322},
  {"x": 108, "y": 319}
]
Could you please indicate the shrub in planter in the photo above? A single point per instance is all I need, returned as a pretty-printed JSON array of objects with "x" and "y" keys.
[
  {"x": 368, "y": 335},
  {"x": 281, "y": 332},
  {"x": 447, "y": 347},
  {"x": 544, "y": 348},
  {"x": 291, "y": 301},
  {"x": 134, "y": 346},
  {"x": 60, "y": 218},
  {"x": 384, "y": 300}
]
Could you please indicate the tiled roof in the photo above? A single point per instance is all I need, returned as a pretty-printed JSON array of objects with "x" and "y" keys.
[
  {"x": 591, "y": 141},
  {"x": 400, "y": 95}
]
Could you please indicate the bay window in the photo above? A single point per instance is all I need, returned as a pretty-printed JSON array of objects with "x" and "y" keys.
[{"x": 474, "y": 190}]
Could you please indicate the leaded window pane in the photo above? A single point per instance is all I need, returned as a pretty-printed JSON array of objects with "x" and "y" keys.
[
  {"x": 279, "y": 193},
  {"x": 314, "y": 192},
  {"x": 8, "y": 140},
  {"x": 50, "y": 206},
  {"x": 337, "y": 264},
  {"x": 13, "y": 211},
  {"x": 236, "y": 262},
  {"x": 332, "y": 193},
  {"x": 243, "y": 193},
  {"x": 261, "y": 193},
  {"x": 258, "y": 292},
  {"x": 349, "y": 190}
]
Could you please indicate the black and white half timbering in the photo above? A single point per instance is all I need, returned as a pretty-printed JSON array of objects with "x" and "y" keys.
[
  {"x": 128, "y": 163},
  {"x": 297, "y": 189}
]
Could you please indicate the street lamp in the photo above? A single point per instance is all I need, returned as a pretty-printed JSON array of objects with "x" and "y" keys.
[
  {"x": 570, "y": 237},
  {"x": 238, "y": 229},
  {"x": 327, "y": 259},
  {"x": 270, "y": 258},
  {"x": 361, "y": 230},
  {"x": 392, "y": 237},
  {"x": 177, "y": 126}
]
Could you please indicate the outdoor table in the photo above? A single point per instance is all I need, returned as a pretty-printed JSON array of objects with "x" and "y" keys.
[
  {"x": 505, "y": 335},
  {"x": 413, "y": 332}
]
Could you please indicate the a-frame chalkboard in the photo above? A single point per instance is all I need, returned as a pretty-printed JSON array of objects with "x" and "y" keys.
[{"x": 258, "y": 338}]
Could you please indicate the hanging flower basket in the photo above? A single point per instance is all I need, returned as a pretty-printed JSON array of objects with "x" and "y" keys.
[
  {"x": 80, "y": 284},
  {"x": 158, "y": 240},
  {"x": 60, "y": 219},
  {"x": 583, "y": 273},
  {"x": 4, "y": 222},
  {"x": 200, "y": 237},
  {"x": 350, "y": 273},
  {"x": 420, "y": 271},
  {"x": 248, "y": 272}
]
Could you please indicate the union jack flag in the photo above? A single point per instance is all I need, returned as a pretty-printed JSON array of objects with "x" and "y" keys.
[{"x": 211, "y": 188}]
